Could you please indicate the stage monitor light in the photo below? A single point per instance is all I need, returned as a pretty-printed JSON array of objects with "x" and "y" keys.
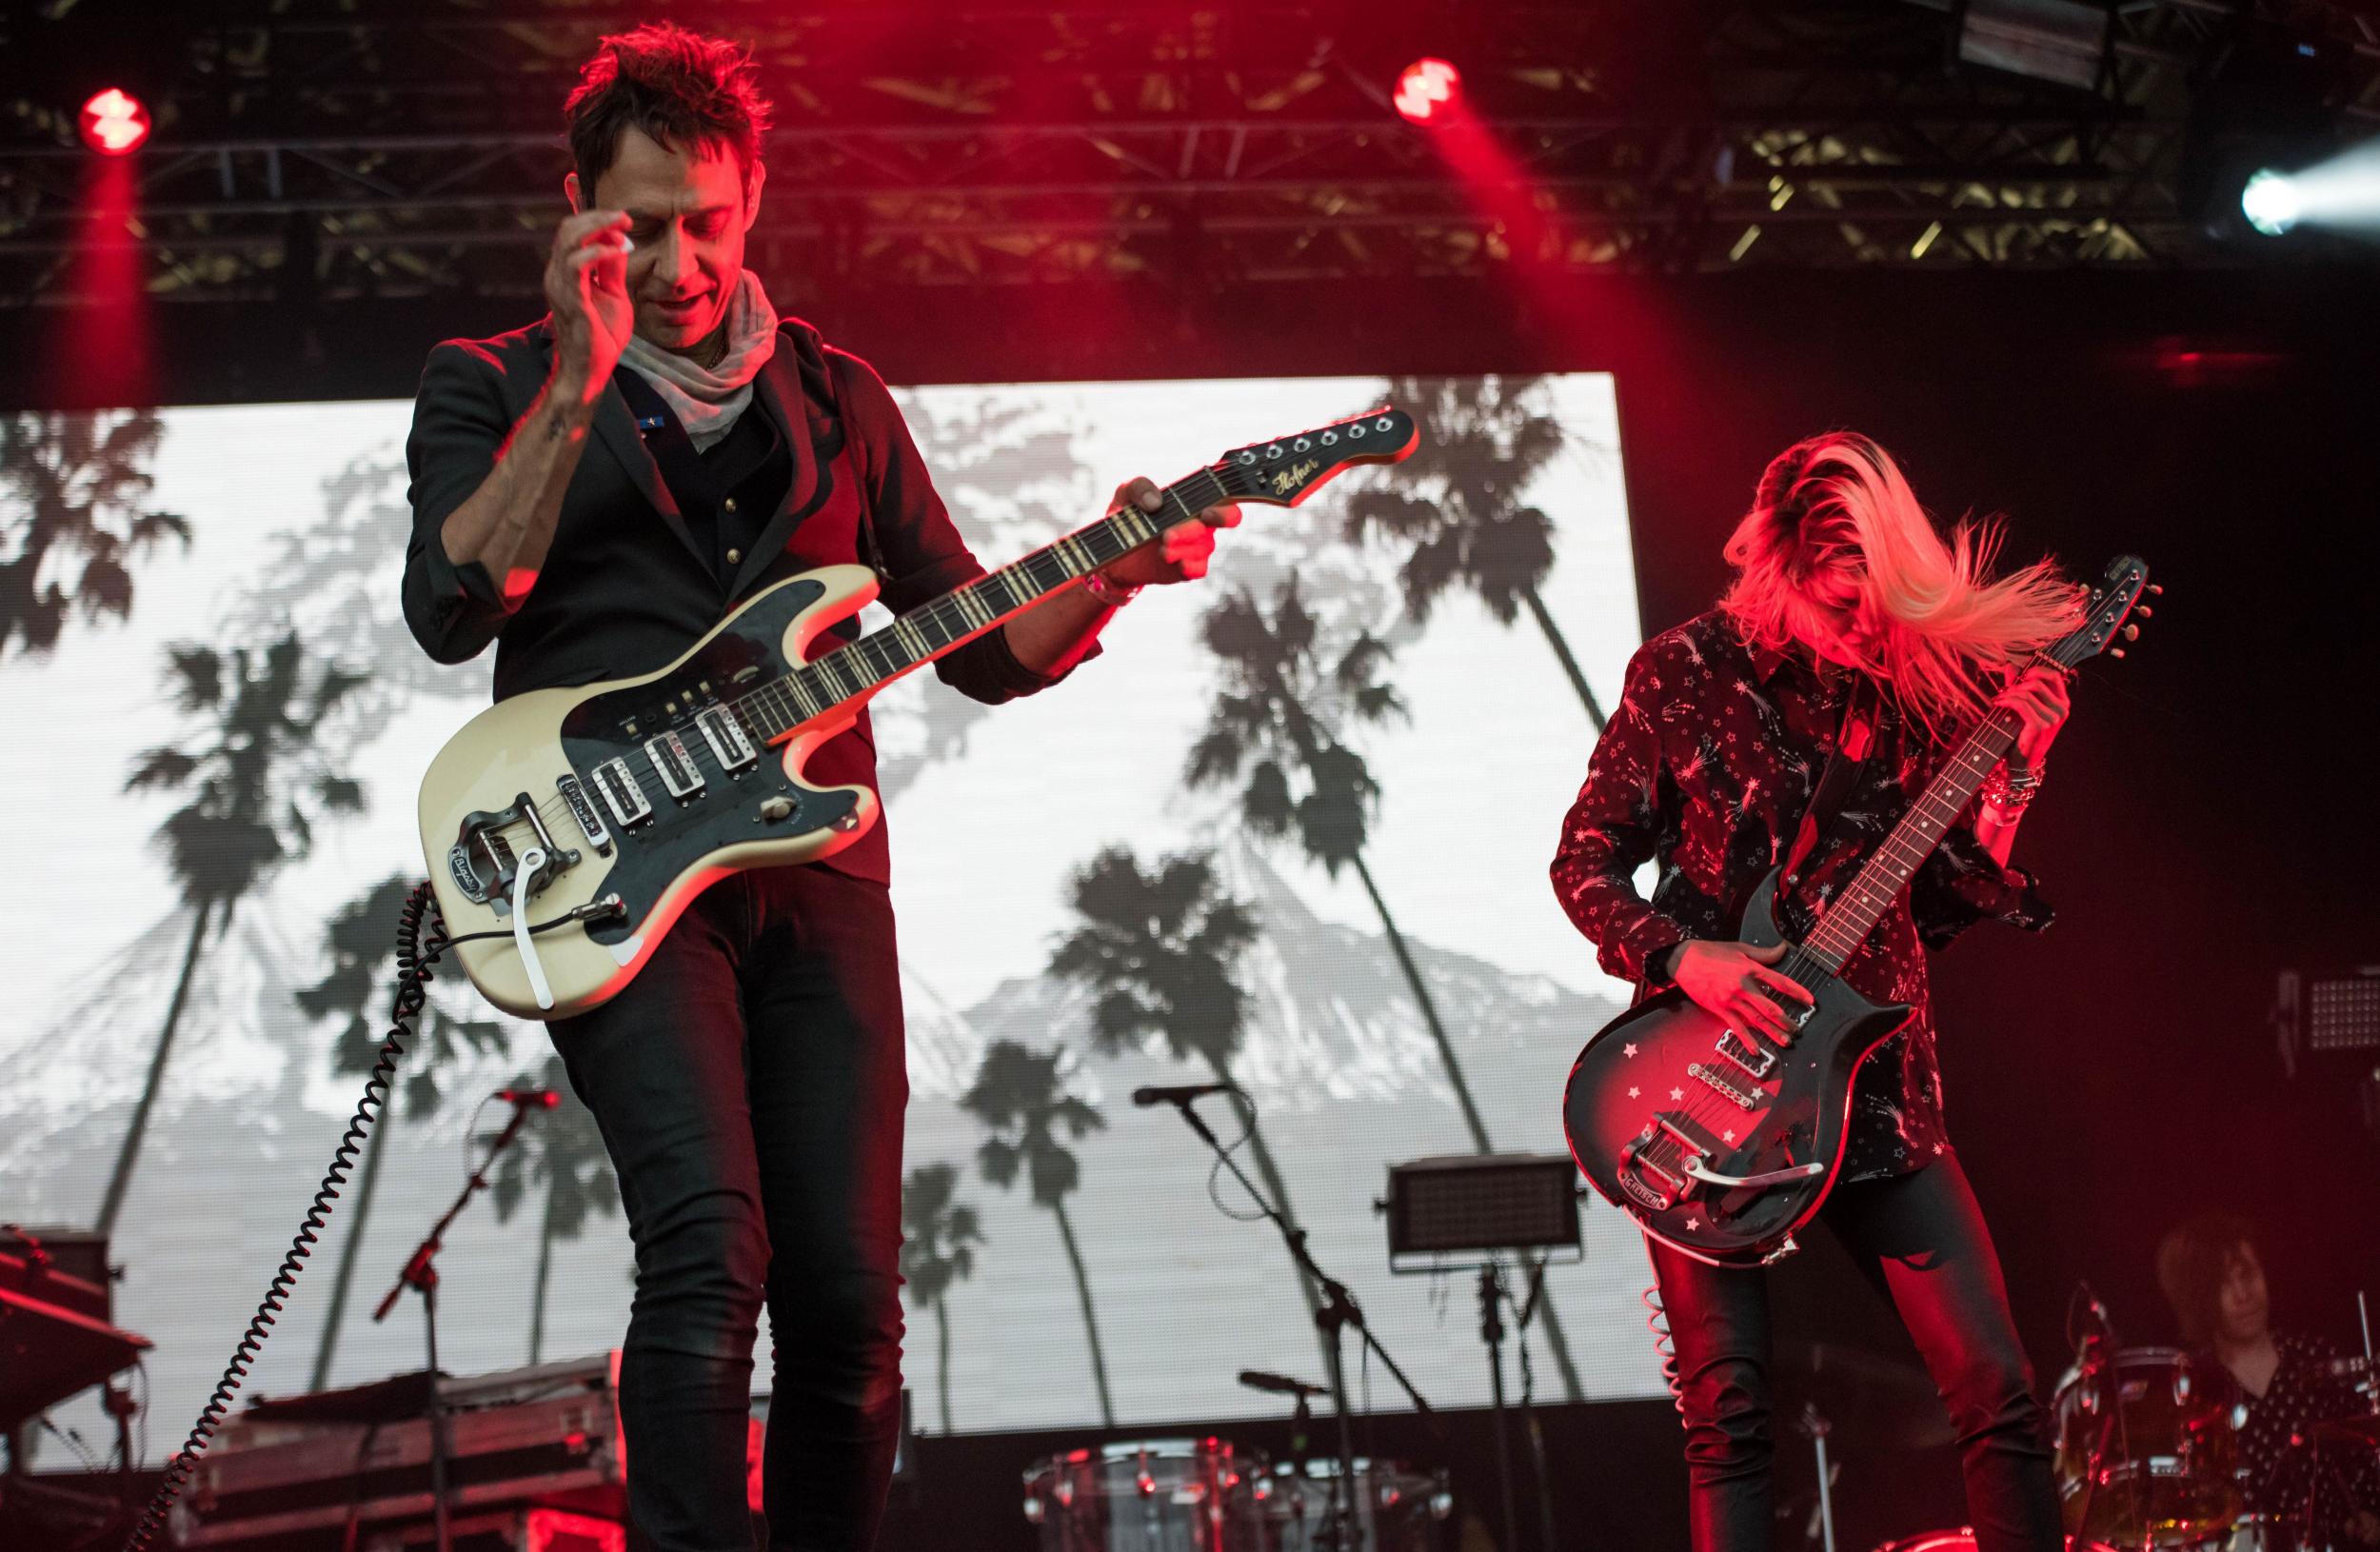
[
  {"x": 115, "y": 122},
  {"x": 2271, "y": 202},
  {"x": 1426, "y": 88}
]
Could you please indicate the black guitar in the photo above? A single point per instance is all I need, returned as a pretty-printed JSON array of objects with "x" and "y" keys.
[{"x": 1722, "y": 1143}]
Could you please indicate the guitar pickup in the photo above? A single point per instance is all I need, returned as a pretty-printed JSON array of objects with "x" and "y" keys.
[
  {"x": 621, "y": 793},
  {"x": 584, "y": 812},
  {"x": 1756, "y": 1061},
  {"x": 674, "y": 765},
  {"x": 725, "y": 734}
]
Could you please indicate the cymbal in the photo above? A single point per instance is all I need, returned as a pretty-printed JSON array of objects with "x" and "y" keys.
[{"x": 1866, "y": 1397}]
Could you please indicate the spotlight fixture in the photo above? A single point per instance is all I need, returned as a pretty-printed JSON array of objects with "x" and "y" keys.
[
  {"x": 114, "y": 123},
  {"x": 2270, "y": 201},
  {"x": 1426, "y": 88}
]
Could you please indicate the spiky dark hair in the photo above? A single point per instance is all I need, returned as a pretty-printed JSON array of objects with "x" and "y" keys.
[{"x": 679, "y": 86}]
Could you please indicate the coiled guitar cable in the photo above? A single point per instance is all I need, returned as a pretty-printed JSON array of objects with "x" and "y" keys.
[{"x": 421, "y": 938}]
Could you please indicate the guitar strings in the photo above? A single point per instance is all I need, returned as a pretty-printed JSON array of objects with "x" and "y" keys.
[
  {"x": 945, "y": 612},
  {"x": 1813, "y": 953}
]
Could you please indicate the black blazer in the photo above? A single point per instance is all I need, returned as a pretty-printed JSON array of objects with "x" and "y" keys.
[{"x": 625, "y": 588}]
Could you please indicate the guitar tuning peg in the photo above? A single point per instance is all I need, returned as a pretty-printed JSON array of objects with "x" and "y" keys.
[
  {"x": 2144, "y": 611},
  {"x": 2116, "y": 651},
  {"x": 2157, "y": 588},
  {"x": 2132, "y": 633}
]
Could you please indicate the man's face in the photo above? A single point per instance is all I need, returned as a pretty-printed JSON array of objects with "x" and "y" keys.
[
  {"x": 2243, "y": 1309},
  {"x": 689, "y": 209}
]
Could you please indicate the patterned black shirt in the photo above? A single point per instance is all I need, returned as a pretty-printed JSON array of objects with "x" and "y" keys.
[
  {"x": 2281, "y": 1474},
  {"x": 1706, "y": 768}
]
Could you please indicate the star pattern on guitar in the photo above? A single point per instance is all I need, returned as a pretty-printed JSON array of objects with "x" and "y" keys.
[{"x": 1705, "y": 769}]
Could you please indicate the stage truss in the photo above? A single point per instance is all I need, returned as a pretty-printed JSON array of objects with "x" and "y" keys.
[{"x": 400, "y": 150}]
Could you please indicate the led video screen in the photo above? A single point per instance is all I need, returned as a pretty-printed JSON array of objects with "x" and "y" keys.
[{"x": 1417, "y": 993}]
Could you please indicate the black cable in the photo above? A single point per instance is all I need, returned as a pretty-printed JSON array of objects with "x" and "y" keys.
[{"x": 417, "y": 950}]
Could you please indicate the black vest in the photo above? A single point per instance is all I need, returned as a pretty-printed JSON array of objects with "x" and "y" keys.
[{"x": 727, "y": 492}]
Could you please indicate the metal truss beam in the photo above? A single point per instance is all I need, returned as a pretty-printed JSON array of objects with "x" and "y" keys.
[{"x": 1211, "y": 147}]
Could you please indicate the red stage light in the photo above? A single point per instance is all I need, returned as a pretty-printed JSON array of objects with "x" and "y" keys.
[
  {"x": 1426, "y": 88},
  {"x": 114, "y": 123}
]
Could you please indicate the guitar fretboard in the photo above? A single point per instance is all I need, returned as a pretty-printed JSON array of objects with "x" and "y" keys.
[
  {"x": 773, "y": 710},
  {"x": 1852, "y": 914}
]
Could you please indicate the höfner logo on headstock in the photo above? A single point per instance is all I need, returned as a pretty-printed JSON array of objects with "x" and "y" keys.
[{"x": 1284, "y": 481}]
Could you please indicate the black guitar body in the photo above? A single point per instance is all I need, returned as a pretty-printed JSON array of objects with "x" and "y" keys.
[
  {"x": 724, "y": 805},
  {"x": 1717, "y": 1142}
]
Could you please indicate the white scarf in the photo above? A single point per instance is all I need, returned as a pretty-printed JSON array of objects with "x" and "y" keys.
[{"x": 706, "y": 400}]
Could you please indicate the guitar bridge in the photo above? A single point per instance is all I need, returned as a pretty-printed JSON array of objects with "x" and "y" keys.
[{"x": 486, "y": 865}]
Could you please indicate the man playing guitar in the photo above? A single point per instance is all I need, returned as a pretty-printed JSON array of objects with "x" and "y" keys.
[
  {"x": 751, "y": 1081},
  {"x": 1851, "y": 619}
]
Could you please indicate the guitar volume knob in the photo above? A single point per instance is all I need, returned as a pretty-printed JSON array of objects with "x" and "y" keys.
[{"x": 776, "y": 811}]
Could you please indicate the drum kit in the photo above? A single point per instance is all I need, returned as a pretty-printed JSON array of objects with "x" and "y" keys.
[
  {"x": 1208, "y": 1494},
  {"x": 2148, "y": 1456}
]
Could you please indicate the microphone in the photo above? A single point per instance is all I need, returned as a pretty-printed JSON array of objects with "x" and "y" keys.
[
  {"x": 1180, "y": 1093},
  {"x": 1279, "y": 1383},
  {"x": 543, "y": 1099}
]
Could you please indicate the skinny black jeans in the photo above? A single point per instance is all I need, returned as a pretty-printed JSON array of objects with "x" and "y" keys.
[
  {"x": 1922, "y": 1241},
  {"x": 751, "y": 1084}
]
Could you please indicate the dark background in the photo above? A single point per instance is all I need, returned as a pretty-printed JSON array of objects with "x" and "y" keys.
[{"x": 2205, "y": 822}]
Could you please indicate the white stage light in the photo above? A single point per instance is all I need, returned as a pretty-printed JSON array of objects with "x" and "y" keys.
[{"x": 2271, "y": 203}]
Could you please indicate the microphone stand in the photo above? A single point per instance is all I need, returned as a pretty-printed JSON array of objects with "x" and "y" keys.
[
  {"x": 1338, "y": 1311},
  {"x": 421, "y": 1274}
]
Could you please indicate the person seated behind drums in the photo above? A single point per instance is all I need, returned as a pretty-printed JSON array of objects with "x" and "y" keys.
[{"x": 2214, "y": 1277}]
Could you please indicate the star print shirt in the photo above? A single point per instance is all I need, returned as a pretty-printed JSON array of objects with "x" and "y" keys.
[
  {"x": 1705, "y": 769},
  {"x": 2337, "y": 1476}
]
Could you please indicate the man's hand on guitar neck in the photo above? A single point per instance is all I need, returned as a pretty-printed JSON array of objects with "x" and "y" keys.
[
  {"x": 1053, "y": 637},
  {"x": 1732, "y": 981}
]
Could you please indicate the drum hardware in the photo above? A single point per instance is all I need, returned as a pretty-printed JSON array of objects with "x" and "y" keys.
[
  {"x": 1813, "y": 1423},
  {"x": 1338, "y": 1311},
  {"x": 1458, "y": 1211}
]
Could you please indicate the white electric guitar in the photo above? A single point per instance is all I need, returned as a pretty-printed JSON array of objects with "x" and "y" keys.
[{"x": 565, "y": 829}]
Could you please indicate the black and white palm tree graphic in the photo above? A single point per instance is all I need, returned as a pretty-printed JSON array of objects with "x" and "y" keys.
[
  {"x": 940, "y": 1234},
  {"x": 1289, "y": 686},
  {"x": 361, "y": 948},
  {"x": 73, "y": 492},
  {"x": 1454, "y": 509},
  {"x": 1162, "y": 950},
  {"x": 560, "y": 1152},
  {"x": 251, "y": 761},
  {"x": 1023, "y": 1100}
]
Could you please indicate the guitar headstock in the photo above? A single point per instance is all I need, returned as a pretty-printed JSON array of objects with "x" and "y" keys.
[
  {"x": 2110, "y": 614},
  {"x": 1286, "y": 471}
]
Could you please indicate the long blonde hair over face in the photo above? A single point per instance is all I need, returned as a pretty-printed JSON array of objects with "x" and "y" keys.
[{"x": 1833, "y": 515}]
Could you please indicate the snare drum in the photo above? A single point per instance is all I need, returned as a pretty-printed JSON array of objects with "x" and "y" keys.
[
  {"x": 2144, "y": 1452},
  {"x": 1148, "y": 1495},
  {"x": 1397, "y": 1507}
]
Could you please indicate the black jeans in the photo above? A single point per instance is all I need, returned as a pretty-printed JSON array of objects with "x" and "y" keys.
[
  {"x": 750, "y": 1083},
  {"x": 1921, "y": 1239}
]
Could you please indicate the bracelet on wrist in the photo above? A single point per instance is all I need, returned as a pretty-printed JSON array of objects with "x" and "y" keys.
[
  {"x": 1109, "y": 593},
  {"x": 2007, "y": 794}
]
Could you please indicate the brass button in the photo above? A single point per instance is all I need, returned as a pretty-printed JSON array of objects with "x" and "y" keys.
[
  {"x": 734, "y": 555},
  {"x": 731, "y": 504}
]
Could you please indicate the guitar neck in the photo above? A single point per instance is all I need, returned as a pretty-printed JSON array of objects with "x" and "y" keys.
[
  {"x": 858, "y": 668},
  {"x": 1852, "y": 914}
]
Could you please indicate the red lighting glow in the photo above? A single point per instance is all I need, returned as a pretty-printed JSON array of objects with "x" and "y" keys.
[
  {"x": 114, "y": 123},
  {"x": 1426, "y": 88}
]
